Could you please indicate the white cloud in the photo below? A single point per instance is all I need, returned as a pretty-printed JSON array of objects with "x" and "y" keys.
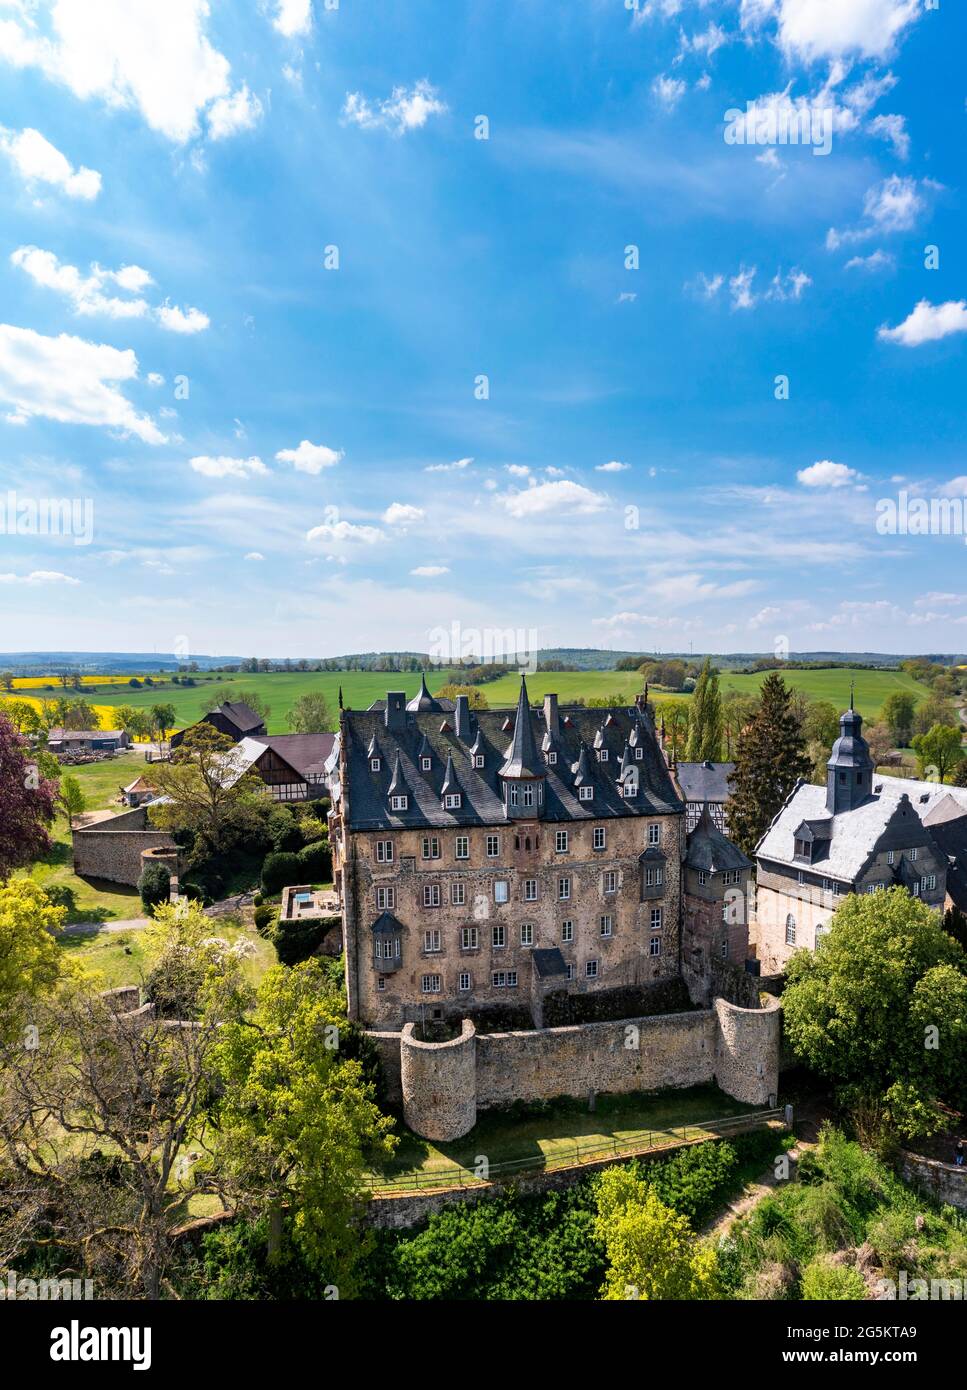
[
  {"x": 404, "y": 110},
  {"x": 957, "y": 487},
  {"x": 518, "y": 470},
  {"x": 134, "y": 54},
  {"x": 894, "y": 205},
  {"x": 668, "y": 91},
  {"x": 892, "y": 128},
  {"x": 70, "y": 380},
  {"x": 38, "y": 161},
  {"x": 293, "y": 17},
  {"x": 825, "y": 473},
  {"x": 225, "y": 467},
  {"x": 310, "y": 458},
  {"x": 550, "y": 498},
  {"x": 764, "y": 617},
  {"x": 39, "y": 577},
  {"x": 255, "y": 555},
  {"x": 430, "y": 571},
  {"x": 816, "y": 29},
  {"x": 789, "y": 286},
  {"x": 456, "y": 467},
  {"x": 339, "y": 531},
  {"x": 177, "y": 320},
  {"x": 613, "y": 467},
  {"x": 876, "y": 260},
  {"x": 230, "y": 114},
  {"x": 927, "y": 323},
  {"x": 402, "y": 514},
  {"x": 622, "y": 622},
  {"x": 740, "y": 288}
]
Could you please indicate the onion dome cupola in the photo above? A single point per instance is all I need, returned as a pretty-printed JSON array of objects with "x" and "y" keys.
[
  {"x": 523, "y": 772},
  {"x": 423, "y": 702},
  {"x": 849, "y": 772}
]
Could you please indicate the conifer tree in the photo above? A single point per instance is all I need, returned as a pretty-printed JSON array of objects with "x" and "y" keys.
[
  {"x": 705, "y": 718},
  {"x": 770, "y": 758}
]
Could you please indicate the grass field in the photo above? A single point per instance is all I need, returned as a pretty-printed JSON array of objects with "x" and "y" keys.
[
  {"x": 118, "y": 958},
  {"x": 282, "y": 689},
  {"x": 557, "y": 1129}
]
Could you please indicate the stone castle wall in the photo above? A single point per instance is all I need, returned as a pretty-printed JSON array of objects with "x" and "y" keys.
[
  {"x": 444, "y": 1085},
  {"x": 944, "y": 1181},
  {"x": 112, "y": 849}
]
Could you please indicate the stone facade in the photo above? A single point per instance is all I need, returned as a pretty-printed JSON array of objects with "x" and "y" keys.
[
  {"x": 444, "y": 1085},
  {"x": 113, "y": 849},
  {"x": 944, "y": 1181},
  {"x": 715, "y": 926}
]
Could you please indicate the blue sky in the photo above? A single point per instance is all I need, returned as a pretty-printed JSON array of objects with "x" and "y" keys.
[{"x": 289, "y": 457}]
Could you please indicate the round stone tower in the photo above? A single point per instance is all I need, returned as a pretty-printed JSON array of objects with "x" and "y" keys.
[{"x": 440, "y": 1084}]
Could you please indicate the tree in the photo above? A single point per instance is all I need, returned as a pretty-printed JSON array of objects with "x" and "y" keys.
[
  {"x": 770, "y": 758},
  {"x": 880, "y": 741},
  {"x": 477, "y": 699},
  {"x": 652, "y": 1252},
  {"x": 934, "y": 710},
  {"x": 310, "y": 714},
  {"x": 162, "y": 719},
  {"x": 6, "y": 680},
  {"x": 154, "y": 886},
  {"x": 208, "y": 787},
  {"x": 705, "y": 717},
  {"x": 858, "y": 1010},
  {"x": 959, "y": 778},
  {"x": 27, "y": 802},
  {"x": 821, "y": 723},
  {"x": 673, "y": 714},
  {"x": 71, "y": 799},
  {"x": 23, "y": 715},
  {"x": 77, "y": 714},
  {"x": 897, "y": 713},
  {"x": 31, "y": 962},
  {"x": 738, "y": 709},
  {"x": 298, "y": 1123},
  {"x": 937, "y": 751}
]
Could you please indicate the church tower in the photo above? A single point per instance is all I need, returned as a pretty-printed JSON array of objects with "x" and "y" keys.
[{"x": 849, "y": 772}]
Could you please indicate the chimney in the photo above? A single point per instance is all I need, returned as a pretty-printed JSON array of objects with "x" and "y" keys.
[
  {"x": 462, "y": 717},
  {"x": 395, "y": 715},
  {"x": 550, "y": 716}
]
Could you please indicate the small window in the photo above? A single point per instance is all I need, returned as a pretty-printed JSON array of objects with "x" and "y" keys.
[
  {"x": 511, "y": 979},
  {"x": 654, "y": 834},
  {"x": 610, "y": 882},
  {"x": 630, "y": 789},
  {"x": 564, "y": 889},
  {"x": 493, "y": 846},
  {"x": 501, "y": 890},
  {"x": 499, "y": 936},
  {"x": 551, "y": 758},
  {"x": 654, "y": 946},
  {"x": 602, "y": 755},
  {"x": 452, "y": 801},
  {"x": 570, "y": 971},
  {"x": 374, "y": 764},
  {"x": 431, "y": 984},
  {"x": 431, "y": 895},
  {"x": 639, "y": 753},
  {"x": 560, "y": 842},
  {"x": 733, "y": 875},
  {"x": 913, "y": 855},
  {"x": 526, "y": 933},
  {"x": 790, "y": 930},
  {"x": 381, "y": 982},
  {"x": 431, "y": 847},
  {"x": 599, "y": 837},
  {"x": 431, "y": 940},
  {"x": 702, "y": 878},
  {"x": 530, "y": 890},
  {"x": 724, "y": 948},
  {"x": 607, "y": 925},
  {"x": 527, "y": 795},
  {"x": 654, "y": 876},
  {"x": 458, "y": 894},
  {"x": 499, "y": 979},
  {"x": 801, "y": 877},
  {"x": 385, "y": 899},
  {"x": 461, "y": 848},
  {"x": 398, "y": 803},
  {"x": 478, "y": 760},
  {"x": 426, "y": 764},
  {"x": 469, "y": 938},
  {"x": 384, "y": 851},
  {"x": 656, "y": 918},
  {"x": 591, "y": 969},
  {"x": 585, "y": 793},
  {"x": 463, "y": 981},
  {"x": 567, "y": 931},
  {"x": 891, "y": 857}
]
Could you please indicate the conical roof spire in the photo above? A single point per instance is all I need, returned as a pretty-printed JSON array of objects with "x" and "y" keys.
[
  {"x": 522, "y": 758},
  {"x": 423, "y": 701},
  {"x": 450, "y": 783},
  {"x": 398, "y": 784}
]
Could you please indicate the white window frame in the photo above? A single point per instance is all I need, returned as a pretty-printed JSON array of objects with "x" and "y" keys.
[
  {"x": 431, "y": 984},
  {"x": 431, "y": 895},
  {"x": 530, "y": 890},
  {"x": 606, "y": 925},
  {"x": 527, "y": 933},
  {"x": 458, "y": 894},
  {"x": 385, "y": 898},
  {"x": 654, "y": 946},
  {"x": 432, "y": 941},
  {"x": 586, "y": 793},
  {"x": 498, "y": 936},
  {"x": 591, "y": 970},
  {"x": 599, "y": 837},
  {"x": 653, "y": 834},
  {"x": 469, "y": 938},
  {"x": 501, "y": 890},
  {"x": 657, "y": 918},
  {"x": 384, "y": 851},
  {"x": 461, "y": 847},
  {"x": 464, "y": 982},
  {"x": 399, "y": 803},
  {"x": 494, "y": 841},
  {"x": 609, "y": 877},
  {"x": 560, "y": 842},
  {"x": 567, "y": 930}
]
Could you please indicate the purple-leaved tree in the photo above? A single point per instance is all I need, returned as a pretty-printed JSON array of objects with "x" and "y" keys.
[{"x": 27, "y": 803}]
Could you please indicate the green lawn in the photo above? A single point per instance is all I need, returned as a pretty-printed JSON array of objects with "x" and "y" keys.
[
  {"x": 872, "y": 687},
  {"x": 118, "y": 957},
  {"x": 562, "y": 1130}
]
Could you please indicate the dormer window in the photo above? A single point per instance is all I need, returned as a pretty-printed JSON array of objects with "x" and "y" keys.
[
  {"x": 602, "y": 755},
  {"x": 803, "y": 849},
  {"x": 551, "y": 758},
  {"x": 375, "y": 764},
  {"x": 452, "y": 801},
  {"x": 639, "y": 754},
  {"x": 630, "y": 789},
  {"x": 478, "y": 760},
  {"x": 585, "y": 793},
  {"x": 399, "y": 803},
  {"x": 426, "y": 764}
]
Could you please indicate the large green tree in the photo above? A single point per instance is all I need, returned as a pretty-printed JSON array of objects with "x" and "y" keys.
[
  {"x": 770, "y": 758},
  {"x": 938, "y": 751},
  {"x": 652, "y": 1252},
  {"x": 310, "y": 714},
  {"x": 897, "y": 713},
  {"x": 208, "y": 788},
  {"x": 31, "y": 962},
  {"x": 27, "y": 802},
  {"x": 705, "y": 717},
  {"x": 880, "y": 1009}
]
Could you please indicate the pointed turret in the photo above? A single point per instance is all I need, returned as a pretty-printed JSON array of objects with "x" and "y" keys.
[
  {"x": 450, "y": 783},
  {"x": 849, "y": 772},
  {"x": 397, "y": 786},
  {"x": 523, "y": 772}
]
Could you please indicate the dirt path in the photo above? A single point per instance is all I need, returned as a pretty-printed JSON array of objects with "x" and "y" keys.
[{"x": 749, "y": 1197}]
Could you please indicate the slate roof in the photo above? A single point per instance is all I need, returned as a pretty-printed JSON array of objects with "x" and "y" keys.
[
  {"x": 365, "y": 793},
  {"x": 523, "y": 759},
  {"x": 306, "y": 754},
  {"x": 549, "y": 962},
  {"x": 853, "y": 835},
  {"x": 240, "y": 714},
  {"x": 947, "y": 822},
  {"x": 709, "y": 850},
  {"x": 705, "y": 781}
]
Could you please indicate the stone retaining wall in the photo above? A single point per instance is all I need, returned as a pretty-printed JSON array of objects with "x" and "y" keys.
[
  {"x": 112, "y": 849},
  {"x": 944, "y": 1181}
]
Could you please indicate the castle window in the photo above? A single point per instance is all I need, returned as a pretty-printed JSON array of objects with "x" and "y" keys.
[
  {"x": 384, "y": 851},
  {"x": 585, "y": 793},
  {"x": 469, "y": 938},
  {"x": 654, "y": 876},
  {"x": 431, "y": 940},
  {"x": 725, "y": 948},
  {"x": 930, "y": 882},
  {"x": 567, "y": 931},
  {"x": 913, "y": 855},
  {"x": 530, "y": 890},
  {"x": 654, "y": 946},
  {"x": 461, "y": 848},
  {"x": 609, "y": 881},
  {"x": 654, "y": 833},
  {"x": 478, "y": 760},
  {"x": 513, "y": 794},
  {"x": 891, "y": 857},
  {"x": 464, "y": 981},
  {"x": 426, "y": 764},
  {"x": 398, "y": 803},
  {"x": 790, "y": 930},
  {"x": 374, "y": 764},
  {"x": 452, "y": 801},
  {"x": 381, "y": 982},
  {"x": 570, "y": 971},
  {"x": 431, "y": 895},
  {"x": 560, "y": 842},
  {"x": 501, "y": 891},
  {"x": 387, "y": 949},
  {"x": 431, "y": 984},
  {"x": 458, "y": 894},
  {"x": 504, "y": 979},
  {"x": 493, "y": 846},
  {"x": 431, "y": 847},
  {"x": 639, "y": 754},
  {"x": 499, "y": 936},
  {"x": 591, "y": 969},
  {"x": 827, "y": 886},
  {"x": 656, "y": 918},
  {"x": 563, "y": 889},
  {"x": 551, "y": 758},
  {"x": 607, "y": 925},
  {"x": 630, "y": 788},
  {"x": 800, "y": 878},
  {"x": 731, "y": 876},
  {"x": 385, "y": 898},
  {"x": 527, "y": 796},
  {"x": 702, "y": 877},
  {"x": 600, "y": 838},
  {"x": 526, "y": 933}
]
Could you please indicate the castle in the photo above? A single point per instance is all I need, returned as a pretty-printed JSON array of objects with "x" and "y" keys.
[{"x": 516, "y": 874}]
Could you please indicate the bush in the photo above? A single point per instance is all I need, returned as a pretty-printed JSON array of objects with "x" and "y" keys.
[
  {"x": 821, "y": 1279},
  {"x": 297, "y": 941},
  {"x": 281, "y": 871},
  {"x": 692, "y": 1180},
  {"x": 315, "y": 862},
  {"x": 266, "y": 916},
  {"x": 154, "y": 885}
]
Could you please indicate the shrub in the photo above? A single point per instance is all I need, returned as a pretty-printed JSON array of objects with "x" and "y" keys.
[
  {"x": 281, "y": 871},
  {"x": 821, "y": 1279},
  {"x": 315, "y": 862},
  {"x": 311, "y": 828},
  {"x": 692, "y": 1180},
  {"x": 297, "y": 941},
  {"x": 154, "y": 885},
  {"x": 266, "y": 916}
]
